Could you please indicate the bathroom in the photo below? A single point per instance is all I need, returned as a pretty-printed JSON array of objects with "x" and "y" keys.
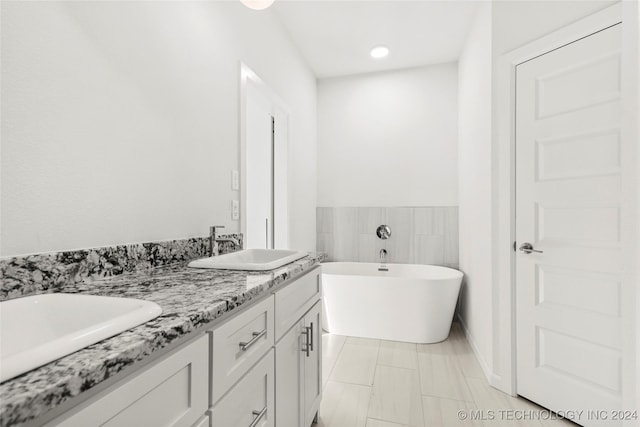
[{"x": 122, "y": 123}]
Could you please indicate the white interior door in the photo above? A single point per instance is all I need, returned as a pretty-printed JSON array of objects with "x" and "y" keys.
[
  {"x": 568, "y": 205},
  {"x": 258, "y": 173}
]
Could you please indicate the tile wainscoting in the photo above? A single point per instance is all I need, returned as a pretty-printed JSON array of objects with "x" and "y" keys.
[{"x": 419, "y": 235}]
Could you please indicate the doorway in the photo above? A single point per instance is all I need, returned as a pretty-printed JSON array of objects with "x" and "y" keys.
[{"x": 263, "y": 164}]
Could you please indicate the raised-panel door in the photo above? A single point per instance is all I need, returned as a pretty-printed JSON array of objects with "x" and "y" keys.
[
  {"x": 313, "y": 364},
  {"x": 569, "y": 209},
  {"x": 289, "y": 377}
]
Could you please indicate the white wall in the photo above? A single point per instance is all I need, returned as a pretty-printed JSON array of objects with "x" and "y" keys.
[
  {"x": 388, "y": 139},
  {"x": 474, "y": 166},
  {"x": 516, "y": 23},
  {"x": 120, "y": 120}
]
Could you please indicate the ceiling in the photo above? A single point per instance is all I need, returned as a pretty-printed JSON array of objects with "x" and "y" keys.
[{"x": 335, "y": 37}]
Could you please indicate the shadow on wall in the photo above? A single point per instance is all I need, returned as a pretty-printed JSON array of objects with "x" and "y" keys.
[{"x": 420, "y": 235}]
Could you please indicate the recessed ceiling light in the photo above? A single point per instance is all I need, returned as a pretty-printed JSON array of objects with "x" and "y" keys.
[
  {"x": 379, "y": 52},
  {"x": 257, "y": 4}
]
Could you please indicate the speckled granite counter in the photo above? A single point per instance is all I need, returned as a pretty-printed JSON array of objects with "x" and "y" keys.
[{"x": 190, "y": 299}]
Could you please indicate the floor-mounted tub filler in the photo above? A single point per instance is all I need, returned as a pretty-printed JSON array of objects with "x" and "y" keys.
[{"x": 405, "y": 302}]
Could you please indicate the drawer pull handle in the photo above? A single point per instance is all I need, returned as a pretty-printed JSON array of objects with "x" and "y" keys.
[
  {"x": 258, "y": 416},
  {"x": 244, "y": 346},
  {"x": 306, "y": 347},
  {"x": 311, "y": 338}
]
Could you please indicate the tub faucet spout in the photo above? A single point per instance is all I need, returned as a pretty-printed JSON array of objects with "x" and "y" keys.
[{"x": 383, "y": 259}]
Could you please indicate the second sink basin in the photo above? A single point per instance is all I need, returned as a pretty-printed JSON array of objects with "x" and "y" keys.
[
  {"x": 39, "y": 329},
  {"x": 250, "y": 259}
]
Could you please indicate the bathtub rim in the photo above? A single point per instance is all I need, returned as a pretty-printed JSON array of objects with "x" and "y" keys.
[{"x": 452, "y": 273}]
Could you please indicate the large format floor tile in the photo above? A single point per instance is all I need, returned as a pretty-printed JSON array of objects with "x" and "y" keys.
[
  {"x": 376, "y": 383},
  {"x": 357, "y": 362},
  {"x": 440, "y": 373},
  {"x": 344, "y": 405},
  {"x": 447, "y": 412},
  {"x": 398, "y": 354},
  {"x": 396, "y": 396},
  {"x": 332, "y": 344}
]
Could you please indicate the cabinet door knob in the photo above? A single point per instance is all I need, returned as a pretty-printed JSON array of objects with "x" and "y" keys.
[{"x": 244, "y": 346}]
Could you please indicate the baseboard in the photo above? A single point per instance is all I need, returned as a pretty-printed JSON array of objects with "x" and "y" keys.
[{"x": 488, "y": 373}]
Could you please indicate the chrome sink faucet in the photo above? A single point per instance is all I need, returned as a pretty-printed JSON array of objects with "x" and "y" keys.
[{"x": 214, "y": 240}]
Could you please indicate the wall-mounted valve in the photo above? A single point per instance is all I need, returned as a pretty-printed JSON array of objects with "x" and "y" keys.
[{"x": 384, "y": 232}]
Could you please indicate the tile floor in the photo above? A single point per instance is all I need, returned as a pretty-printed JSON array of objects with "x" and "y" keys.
[{"x": 376, "y": 383}]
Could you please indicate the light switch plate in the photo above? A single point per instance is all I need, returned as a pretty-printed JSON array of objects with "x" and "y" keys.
[
  {"x": 235, "y": 180},
  {"x": 235, "y": 209}
]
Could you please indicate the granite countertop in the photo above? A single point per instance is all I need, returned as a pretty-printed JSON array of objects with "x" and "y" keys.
[{"x": 190, "y": 299}]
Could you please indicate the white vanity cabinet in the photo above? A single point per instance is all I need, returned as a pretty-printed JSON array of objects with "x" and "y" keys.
[
  {"x": 298, "y": 352},
  {"x": 260, "y": 367},
  {"x": 171, "y": 392}
]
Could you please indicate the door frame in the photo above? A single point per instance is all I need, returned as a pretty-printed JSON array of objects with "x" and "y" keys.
[
  {"x": 504, "y": 320},
  {"x": 280, "y": 111}
]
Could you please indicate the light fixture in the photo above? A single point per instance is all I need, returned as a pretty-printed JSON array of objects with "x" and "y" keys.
[
  {"x": 257, "y": 4},
  {"x": 379, "y": 52}
]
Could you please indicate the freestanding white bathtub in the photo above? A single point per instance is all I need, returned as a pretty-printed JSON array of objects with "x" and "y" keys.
[{"x": 411, "y": 303}]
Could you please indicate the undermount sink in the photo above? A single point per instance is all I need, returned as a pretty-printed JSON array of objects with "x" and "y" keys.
[
  {"x": 250, "y": 259},
  {"x": 39, "y": 329}
]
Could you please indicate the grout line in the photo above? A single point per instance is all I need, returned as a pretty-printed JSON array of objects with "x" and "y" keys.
[
  {"x": 399, "y": 367},
  {"x": 384, "y": 421},
  {"x": 396, "y": 367},
  {"x": 343, "y": 382},
  {"x": 447, "y": 398}
]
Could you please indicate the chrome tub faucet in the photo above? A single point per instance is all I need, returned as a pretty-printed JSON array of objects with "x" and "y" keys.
[
  {"x": 383, "y": 256},
  {"x": 383, "y": 259}
]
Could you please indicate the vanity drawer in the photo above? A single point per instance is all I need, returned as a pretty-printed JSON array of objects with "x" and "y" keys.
[
  {"x": 249, "y": 399},
  {"x": 294, "y": 300},
  {"x": 238, "y": 344}
]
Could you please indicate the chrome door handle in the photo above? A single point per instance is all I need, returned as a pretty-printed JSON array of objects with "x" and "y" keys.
[
  {"x": 310, "y": 329},
  {"x": 307, "y": 348},
  {"x": 258, "y": 416},
  {"x": 244, "y": 346},
  {"x": 527, "y": 248}
]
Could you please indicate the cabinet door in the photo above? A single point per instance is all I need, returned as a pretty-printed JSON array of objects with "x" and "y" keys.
[
  {"x": 313, "y": 364},
  {"x": 171, "y": 392},
  {"x": 289, "y": 377}
]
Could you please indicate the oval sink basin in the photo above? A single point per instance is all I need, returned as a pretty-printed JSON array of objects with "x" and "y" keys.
[
  {"x": 250, "y": 259},
  {"x": 39, "y": 329}
]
